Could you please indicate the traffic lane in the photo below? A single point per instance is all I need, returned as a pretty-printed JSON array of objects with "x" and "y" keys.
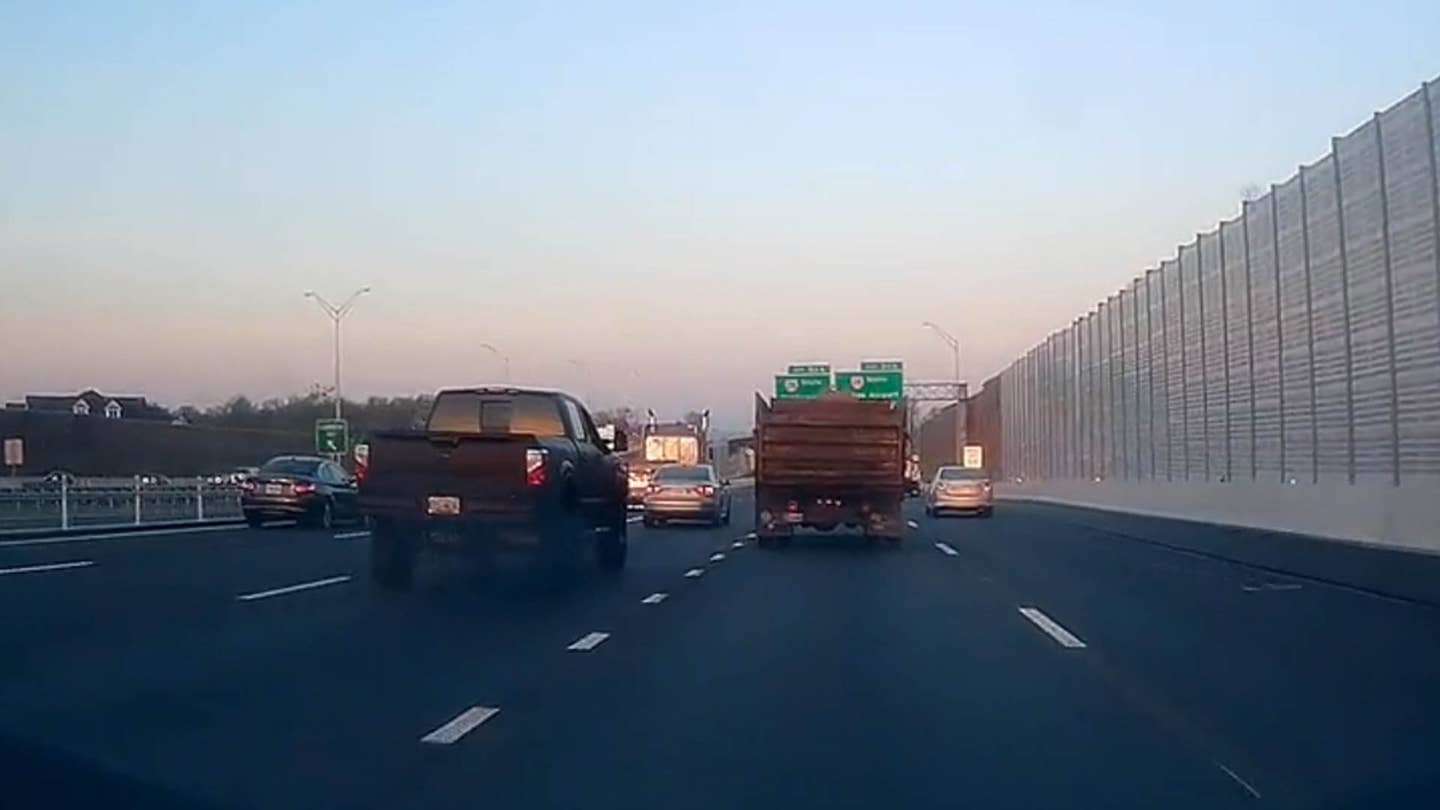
[
  {"x": 1321, "y": 694},
  {"x": 829, "y": 673},
  {"x": 144, "y": 583},
  {"x": 275, "y": 705}
]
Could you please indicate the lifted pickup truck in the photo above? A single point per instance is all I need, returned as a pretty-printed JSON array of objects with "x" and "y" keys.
[{"x": 494, "y": 468}]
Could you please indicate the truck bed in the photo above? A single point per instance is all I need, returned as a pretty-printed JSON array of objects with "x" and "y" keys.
[{"x": 837, "y": 442}]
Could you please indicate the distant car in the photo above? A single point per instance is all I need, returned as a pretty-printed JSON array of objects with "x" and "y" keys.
[
  {"x": 681, "y": 492},
  {"x": 957, "y": 489},
  {"x": 153, "y": 480},
  {"x": 313, "y": 490}
]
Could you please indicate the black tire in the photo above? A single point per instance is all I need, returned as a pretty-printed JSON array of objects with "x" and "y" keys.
[
  {"x": 253, "y": 520},
  {"x": 324, "y": 517},
  {"x": 726, "y": 521},
  {"x": 611, "y": 548},
  {"x": 392, "y": 559}
]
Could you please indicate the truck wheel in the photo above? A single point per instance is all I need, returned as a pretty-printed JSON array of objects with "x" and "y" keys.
[
  {"x": 392, "y": 558},
  {"x": 611, "y": 548}
]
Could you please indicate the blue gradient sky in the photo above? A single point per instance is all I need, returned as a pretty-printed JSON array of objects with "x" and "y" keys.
[{"x": 682, "y": 200}]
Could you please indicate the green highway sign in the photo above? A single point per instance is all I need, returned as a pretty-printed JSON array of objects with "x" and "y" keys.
[
  {"x": 801, "y": 386},
  {"x": 881, "y": 365},
  {"x": 332, "y": 436},
  {"x": 809, "y": 368},
  {"x": 870, "y": 384}
]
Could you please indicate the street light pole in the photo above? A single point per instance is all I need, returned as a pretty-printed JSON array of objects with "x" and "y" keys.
[
  {"x": 337, "y": 314},
  {"x": 504, "y": 358},
  {"x": 959, "y": 394}
]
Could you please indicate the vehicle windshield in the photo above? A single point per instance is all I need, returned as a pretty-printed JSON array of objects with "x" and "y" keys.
[
  {"x": 290, "y": 466},
  {"x": 684, "y": 474},
  {"x": 962, "y": 474}
]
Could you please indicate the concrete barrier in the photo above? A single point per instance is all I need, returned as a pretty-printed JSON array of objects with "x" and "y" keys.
[{"x": 1405, "y": 517}]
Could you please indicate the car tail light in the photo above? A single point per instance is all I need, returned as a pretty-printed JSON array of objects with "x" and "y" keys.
[
  {"x": 304, "y": 489},
  {"x": 247, "y": 486},
  {"x": 653, "y": 488},
  {"x": 535, "y": 468},
  {"x": 792, "y": 506}
]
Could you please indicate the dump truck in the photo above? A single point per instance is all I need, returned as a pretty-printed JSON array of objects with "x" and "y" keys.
[{"x": 830, "y": 462}]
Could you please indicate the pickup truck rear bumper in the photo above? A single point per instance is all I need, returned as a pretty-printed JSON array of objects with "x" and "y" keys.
[{"x": 479, "y": 526}]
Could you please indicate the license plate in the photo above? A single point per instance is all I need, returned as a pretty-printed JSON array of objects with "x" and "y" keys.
[
  {"x": 442, "y": 505},
  {"x": 273, "y": 489},
  {"x": 794, "y": 517}
]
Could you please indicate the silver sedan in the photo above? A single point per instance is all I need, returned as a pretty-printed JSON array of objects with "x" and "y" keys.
[
  {"x": 687, "y": 492},
  {"x": 957, "y": 489}
]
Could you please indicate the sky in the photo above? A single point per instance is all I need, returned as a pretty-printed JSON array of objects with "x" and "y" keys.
[{"x": 657, "y": 204}]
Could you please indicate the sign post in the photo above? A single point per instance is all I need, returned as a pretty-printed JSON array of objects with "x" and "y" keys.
[
  {"x": 332, "y": 436},
  {"x": 974, "y": 457},
  {"x": 14, "y": 454}
]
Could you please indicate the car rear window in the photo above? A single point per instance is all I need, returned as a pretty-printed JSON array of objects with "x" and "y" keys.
[
  {"x": 479, "y": 412},
  {"x": 685, "y": 474},
  {"x": 290, "y": 466},
  {"x": 962, "y": 474}
]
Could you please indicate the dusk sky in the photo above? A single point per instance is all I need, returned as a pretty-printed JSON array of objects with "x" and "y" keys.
[{"x": 679, "y": 200}]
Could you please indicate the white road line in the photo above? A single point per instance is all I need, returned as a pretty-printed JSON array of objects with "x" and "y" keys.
[
  {"x": 694, "y": 573},
  {"x": 635, "y": 519},
  {"x": 717, "y": 556},
  {"x": 34, "y": 569},
  {"x": 352, "y": 535},
  {"x": 1051, "y": 628},
  {"x": 653, "y": 599},
  {"x": 750, "y": 536},
  {"x": 912, "y": 524},
  {"x": 1271, "y": 586},
  {"x": 304, "y": 586},
  {"x": 1235, "y": 776},
  {"x": 738, "y": 544},
  {"x": 589, "y": 641},
  {"x": 78, "y": 538},
  {"x": 945, "y": 547},
  {"x": 463, "y": 724}
]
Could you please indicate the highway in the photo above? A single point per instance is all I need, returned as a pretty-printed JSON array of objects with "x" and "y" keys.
[{"x": 1048, "y": 657}]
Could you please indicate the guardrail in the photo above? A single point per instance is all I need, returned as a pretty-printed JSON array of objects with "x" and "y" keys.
[{"x": 28, "y": 505}]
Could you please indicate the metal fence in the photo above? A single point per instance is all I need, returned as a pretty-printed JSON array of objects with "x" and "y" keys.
[
  {"x": 1299, "y": 342},
  {"x": 28, "y": 504}
]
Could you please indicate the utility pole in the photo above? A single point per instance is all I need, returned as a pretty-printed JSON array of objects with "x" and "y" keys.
[
  {"x": 959, "y": 389},
  {"x": 337, "y": 314}
]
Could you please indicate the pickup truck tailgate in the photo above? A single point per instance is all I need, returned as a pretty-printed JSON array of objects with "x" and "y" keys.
[{"x": 487, "y": 473}]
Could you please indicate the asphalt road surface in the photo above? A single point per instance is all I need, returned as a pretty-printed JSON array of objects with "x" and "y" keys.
[{"x": 1043, "y": 658}]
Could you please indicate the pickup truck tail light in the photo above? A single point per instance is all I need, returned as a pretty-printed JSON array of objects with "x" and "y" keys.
[
  {"x": 535, "y": 468},
  {"x": 705, "y": 490}
]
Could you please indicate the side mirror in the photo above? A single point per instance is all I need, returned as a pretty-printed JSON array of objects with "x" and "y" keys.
[
  {"x": 724, "y": 482},
  {"x": 620, "y": 443}
]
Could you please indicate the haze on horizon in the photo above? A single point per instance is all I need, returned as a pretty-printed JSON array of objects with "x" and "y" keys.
[{"x": 678, "y": 201}]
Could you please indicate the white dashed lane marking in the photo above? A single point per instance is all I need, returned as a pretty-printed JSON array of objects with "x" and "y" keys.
[
  {"x": 912, "y": 524},
  {"x": 589, "y": 641},
  {"x": 694, "y": 573},
  {"x": 303, "y": 586},
  {"x": 945, "y": 547},
  {"x": 352, "y": 535},
  {"x": 635, "y": 519},
  {"x": 738, "y": 544},
  {"x": 717, "y": 556},
  {"x": 1236, "y": 777},
  {"x": 1052, "y": 628},
  {"x": 463, "y": 724},
  {"x": 653, "y": 599},
  {"x": 35, "y": 569}
]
